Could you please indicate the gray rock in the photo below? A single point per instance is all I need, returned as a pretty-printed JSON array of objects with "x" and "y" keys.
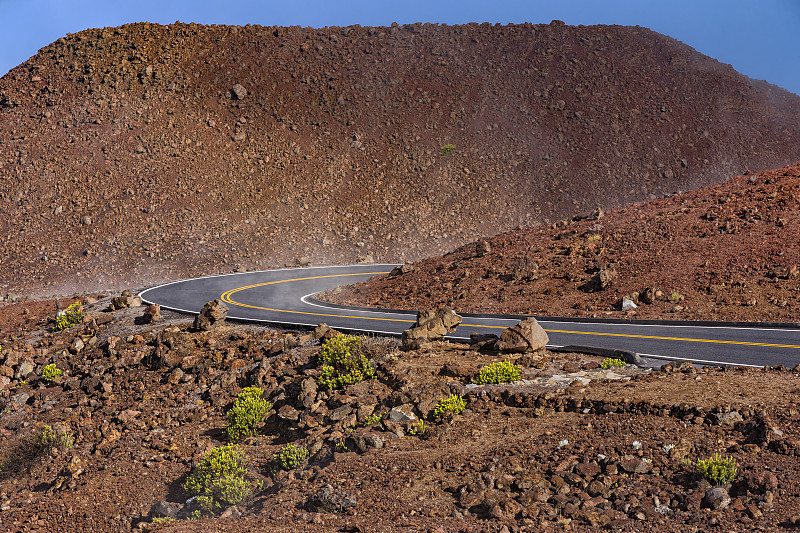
[
  {"x": 527, "y": 336},
  {"x": 398, "y": 417},
  {"x": 430, "y": 326},
  {"x": 76, "y": 346},
  {"x": 330, "y": 500},
  {"x": 239, "y": 92},
  {"x": 361, "y": 442},
  {"x": 212, "y": 315},
  {"x": 165, "y": 509},
  {"x": 19, "y": 399},
  {"x": 24, "y": 368},
  {"x": 627, "y": 304},
  {"x": 727, "y": 419},
  {"x": 717, "y": 498}
]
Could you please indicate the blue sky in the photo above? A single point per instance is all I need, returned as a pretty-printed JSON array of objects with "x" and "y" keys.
[{"x": 759, "y": 38}]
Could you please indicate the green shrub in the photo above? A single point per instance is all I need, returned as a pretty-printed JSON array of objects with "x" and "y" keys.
[
  {"x": 342, "y": 362},
  {"x": 71, "y": 316},
  {"x": 218, "y": 480},
  {"x": 51, "y": 373},
  {"x": 373, "y": 419},
  {"x": 675, "y": 297},
  {"x": 453, "y": 404},
  {"x": 718, "y": 470},
  {"x": 291, "y": 456},
  {"x": 417, "y": 429},
  {"x": 500, "y": 372},
  {"x": 447, "y": 149},
  {"x": 47, "y": 437},
  {"x": 609, "y": 363},
  {"x": 248, "y": 411}
]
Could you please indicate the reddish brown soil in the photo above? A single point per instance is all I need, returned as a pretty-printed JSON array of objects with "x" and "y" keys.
[
  {"x": 725, "y": 252},
  {"x": 520, "y": 458},
  {"x": 333, "y": 154}
]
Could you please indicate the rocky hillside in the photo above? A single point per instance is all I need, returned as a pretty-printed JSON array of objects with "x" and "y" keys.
[
  {"x": 723, "y": 252},
  {"x": 145, "y": 152}
]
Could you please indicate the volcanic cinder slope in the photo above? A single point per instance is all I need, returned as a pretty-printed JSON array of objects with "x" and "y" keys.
[
  {"x": 722, "y": 252},
  {"x": 145, "y": 152}
]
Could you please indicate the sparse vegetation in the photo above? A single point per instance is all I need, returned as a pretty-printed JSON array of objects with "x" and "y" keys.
[
  {"x": 499, "y": 372},
  {"x": 454, "y": 404},
  {"x": 248, "y": 411},
  {"x": 291, "y": 456},
  {"x": 373, "y": 419},
  {"x": 69, "y": 317},
  {"x": 675, "y": 297},
  {"x": 447, "y": 149},
  {"x": 718, "y": 470},
  {"x": 342, "y": 362},
  {"x": 51, "y": 373},
  {"x": 609, "y": 362},
  {"x": 219, "y": 480},
  {"x": 418, "y": 429},
  {"x": 48, "y": 437}
]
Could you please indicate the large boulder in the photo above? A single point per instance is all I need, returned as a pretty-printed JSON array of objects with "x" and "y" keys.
[
  {"x": 212, "y": 315},
  {"x": 430, "y": 326},
  {"x": 127, "y": 299},
  {"x": 527, "y": 336}
]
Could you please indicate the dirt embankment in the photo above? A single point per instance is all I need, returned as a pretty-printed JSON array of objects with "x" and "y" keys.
[
  {"x": 145, "y": 152},
  {"x": 724, "y": 252}
]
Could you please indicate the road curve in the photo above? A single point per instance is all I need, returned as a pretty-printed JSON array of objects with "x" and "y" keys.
[{"x": 285, "y": 297}]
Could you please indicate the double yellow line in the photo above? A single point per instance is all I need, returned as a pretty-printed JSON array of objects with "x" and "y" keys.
[{"x": 227, "y": 298}]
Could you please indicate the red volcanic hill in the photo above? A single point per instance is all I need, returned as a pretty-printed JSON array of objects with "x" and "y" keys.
[
  {"x": 146, "y": 152},
  {"x": 724, "y": 252}
]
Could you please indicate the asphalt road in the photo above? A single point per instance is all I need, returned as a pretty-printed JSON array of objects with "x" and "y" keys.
[{"x": 285, "y": 297}]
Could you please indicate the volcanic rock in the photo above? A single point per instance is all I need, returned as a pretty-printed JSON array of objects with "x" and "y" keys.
[
  {"x": 405, "y": 268},
  {"x": 330, "y": 500},
  {"x": 239, "y": 92},
  {"x": 600, "y": 281},
  {"x": 430, "y": 326},
  {"x": 212, "y": 315},
  {"x": 527, "y": 336},
  {"x": 717, "y": 498},
  {"x": 151, "y": 313},
  {"x": 126, "y": 299}
]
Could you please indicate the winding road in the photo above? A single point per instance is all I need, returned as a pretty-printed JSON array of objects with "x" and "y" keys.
[{"x": 285, "y": 297}]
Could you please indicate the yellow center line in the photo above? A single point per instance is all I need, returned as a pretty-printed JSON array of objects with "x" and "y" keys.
[
  {"x": 685, "y": 339},
  {"x": 226, "y": 297}
]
